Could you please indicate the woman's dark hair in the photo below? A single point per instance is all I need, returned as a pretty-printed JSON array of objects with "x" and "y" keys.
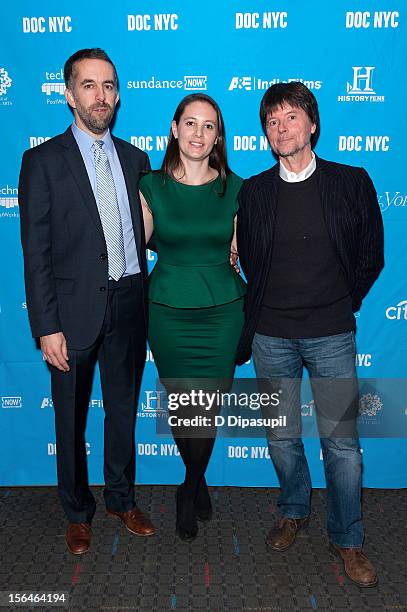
[
  {"x": 94, "y": 53},
  {"x": 295, "y": 94},
  {"x": 217, "y": 158}
]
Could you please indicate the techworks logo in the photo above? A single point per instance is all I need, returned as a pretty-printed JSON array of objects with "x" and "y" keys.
[
  {"x": 50, "y": 88},
  {"x": 9, "y": 202}
]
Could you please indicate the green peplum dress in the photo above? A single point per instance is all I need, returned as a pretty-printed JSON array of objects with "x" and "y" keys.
[{"x": 195, "y": 296}]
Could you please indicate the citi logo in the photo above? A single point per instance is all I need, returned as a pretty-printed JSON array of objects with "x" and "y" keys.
[
  {"x": 397, "y": 313},
  {"x": 12, "y": 402},
  {"x": 307, "y": 410}
]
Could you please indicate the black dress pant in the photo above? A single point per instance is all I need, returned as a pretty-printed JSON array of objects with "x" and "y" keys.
[{"x": 120, "y": 350}]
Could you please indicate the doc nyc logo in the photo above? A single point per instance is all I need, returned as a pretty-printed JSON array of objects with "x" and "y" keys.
[{"x": 360, "y": 88}]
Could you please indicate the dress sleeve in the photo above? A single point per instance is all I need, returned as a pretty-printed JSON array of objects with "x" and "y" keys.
[
  {"x": 146, "y": 188},
  {"x": 234, "y": 185}
]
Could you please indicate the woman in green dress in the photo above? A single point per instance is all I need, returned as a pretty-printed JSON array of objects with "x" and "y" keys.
[{"x": 195, "y": 295}]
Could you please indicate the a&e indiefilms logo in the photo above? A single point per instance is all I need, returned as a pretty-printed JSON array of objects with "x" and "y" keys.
[
  {"x": 5, "y": 84},
  {"x": 360, "y": 88}
]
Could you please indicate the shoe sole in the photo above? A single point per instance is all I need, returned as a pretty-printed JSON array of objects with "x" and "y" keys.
[
  {"x": 140, "y": 535},
  {"x": 363, "y": 585},
  {"x": 303, "y": 526}
]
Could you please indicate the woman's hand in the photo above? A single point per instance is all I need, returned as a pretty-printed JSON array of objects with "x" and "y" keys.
[{"x": 234, "y": 255}]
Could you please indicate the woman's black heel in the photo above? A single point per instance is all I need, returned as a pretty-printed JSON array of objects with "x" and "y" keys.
[{"x": 186, "y": 525}]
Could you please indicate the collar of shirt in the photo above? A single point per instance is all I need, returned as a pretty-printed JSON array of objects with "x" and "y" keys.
[
  {"x": 292, "y": 177},
  {"x": 85, "y": 141}
]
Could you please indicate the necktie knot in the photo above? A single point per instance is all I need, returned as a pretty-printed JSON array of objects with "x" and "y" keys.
[{"x": 97, "y": 145}]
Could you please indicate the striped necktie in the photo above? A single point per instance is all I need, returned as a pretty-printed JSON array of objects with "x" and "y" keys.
[{"x": 109, "y": 212}]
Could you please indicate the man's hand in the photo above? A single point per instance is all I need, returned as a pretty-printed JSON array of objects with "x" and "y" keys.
[{"x": 55, "y": 351}]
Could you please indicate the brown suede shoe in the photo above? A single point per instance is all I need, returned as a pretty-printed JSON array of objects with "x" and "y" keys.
[
  {"x": 281, "y": 537},
  {"x": 78, "y": 536},
  {"x": 135, "y": 521},
  {"x": 356, "y": 565}
]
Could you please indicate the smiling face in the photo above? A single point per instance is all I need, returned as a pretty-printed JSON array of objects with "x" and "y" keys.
[
  {"x": 289, "y": 131},
  {"x": 93, "y": 95},
  {"x": 196, "y": 131}
]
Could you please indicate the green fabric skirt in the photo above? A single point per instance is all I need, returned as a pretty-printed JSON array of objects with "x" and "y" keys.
[{"x": 190, "y": 343}]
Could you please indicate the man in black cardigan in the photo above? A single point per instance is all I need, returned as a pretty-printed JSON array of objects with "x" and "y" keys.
[{"x": 310, "y": 240}]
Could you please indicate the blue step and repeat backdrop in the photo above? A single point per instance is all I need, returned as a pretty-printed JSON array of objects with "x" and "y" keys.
[{"x": 350, "y": 54}]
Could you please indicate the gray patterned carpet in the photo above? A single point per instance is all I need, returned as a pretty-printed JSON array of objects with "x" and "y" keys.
[{"x": 227, "y": 568}]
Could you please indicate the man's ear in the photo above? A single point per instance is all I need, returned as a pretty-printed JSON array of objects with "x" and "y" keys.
[{"x": 69, "y": 98}]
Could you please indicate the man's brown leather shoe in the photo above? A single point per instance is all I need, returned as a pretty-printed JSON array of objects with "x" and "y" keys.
[
  {"x": 357, "y": 566},
  {"x": 281, "y": 537},
  {"x": 78, "y": 537},
  {"x": 135, "y": 521}
]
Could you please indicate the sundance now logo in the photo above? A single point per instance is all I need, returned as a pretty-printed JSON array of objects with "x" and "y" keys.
[{"x": 11, "y": 402}]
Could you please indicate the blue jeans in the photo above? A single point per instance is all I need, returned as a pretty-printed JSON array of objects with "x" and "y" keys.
[{"x": 329, "y": 357}]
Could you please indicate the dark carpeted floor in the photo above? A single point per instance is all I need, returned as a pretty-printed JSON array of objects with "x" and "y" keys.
[{"x": 227, "y": 568}]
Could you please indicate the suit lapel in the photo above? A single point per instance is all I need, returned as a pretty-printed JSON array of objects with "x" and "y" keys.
[
  {"x": 269, "y": 200},
  {"x": 78, "y": 169},
  {"x": 329, "y": 193}
]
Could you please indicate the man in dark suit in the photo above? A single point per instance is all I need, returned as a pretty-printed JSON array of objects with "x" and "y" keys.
[
  {"x": 85, "y": 275},
  {"x": 310, "y": 240}
]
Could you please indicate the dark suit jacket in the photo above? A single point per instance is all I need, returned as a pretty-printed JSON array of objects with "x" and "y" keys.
[
  {"x": 353, "y": 220},
  {"x": 65, "y": 254}
]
